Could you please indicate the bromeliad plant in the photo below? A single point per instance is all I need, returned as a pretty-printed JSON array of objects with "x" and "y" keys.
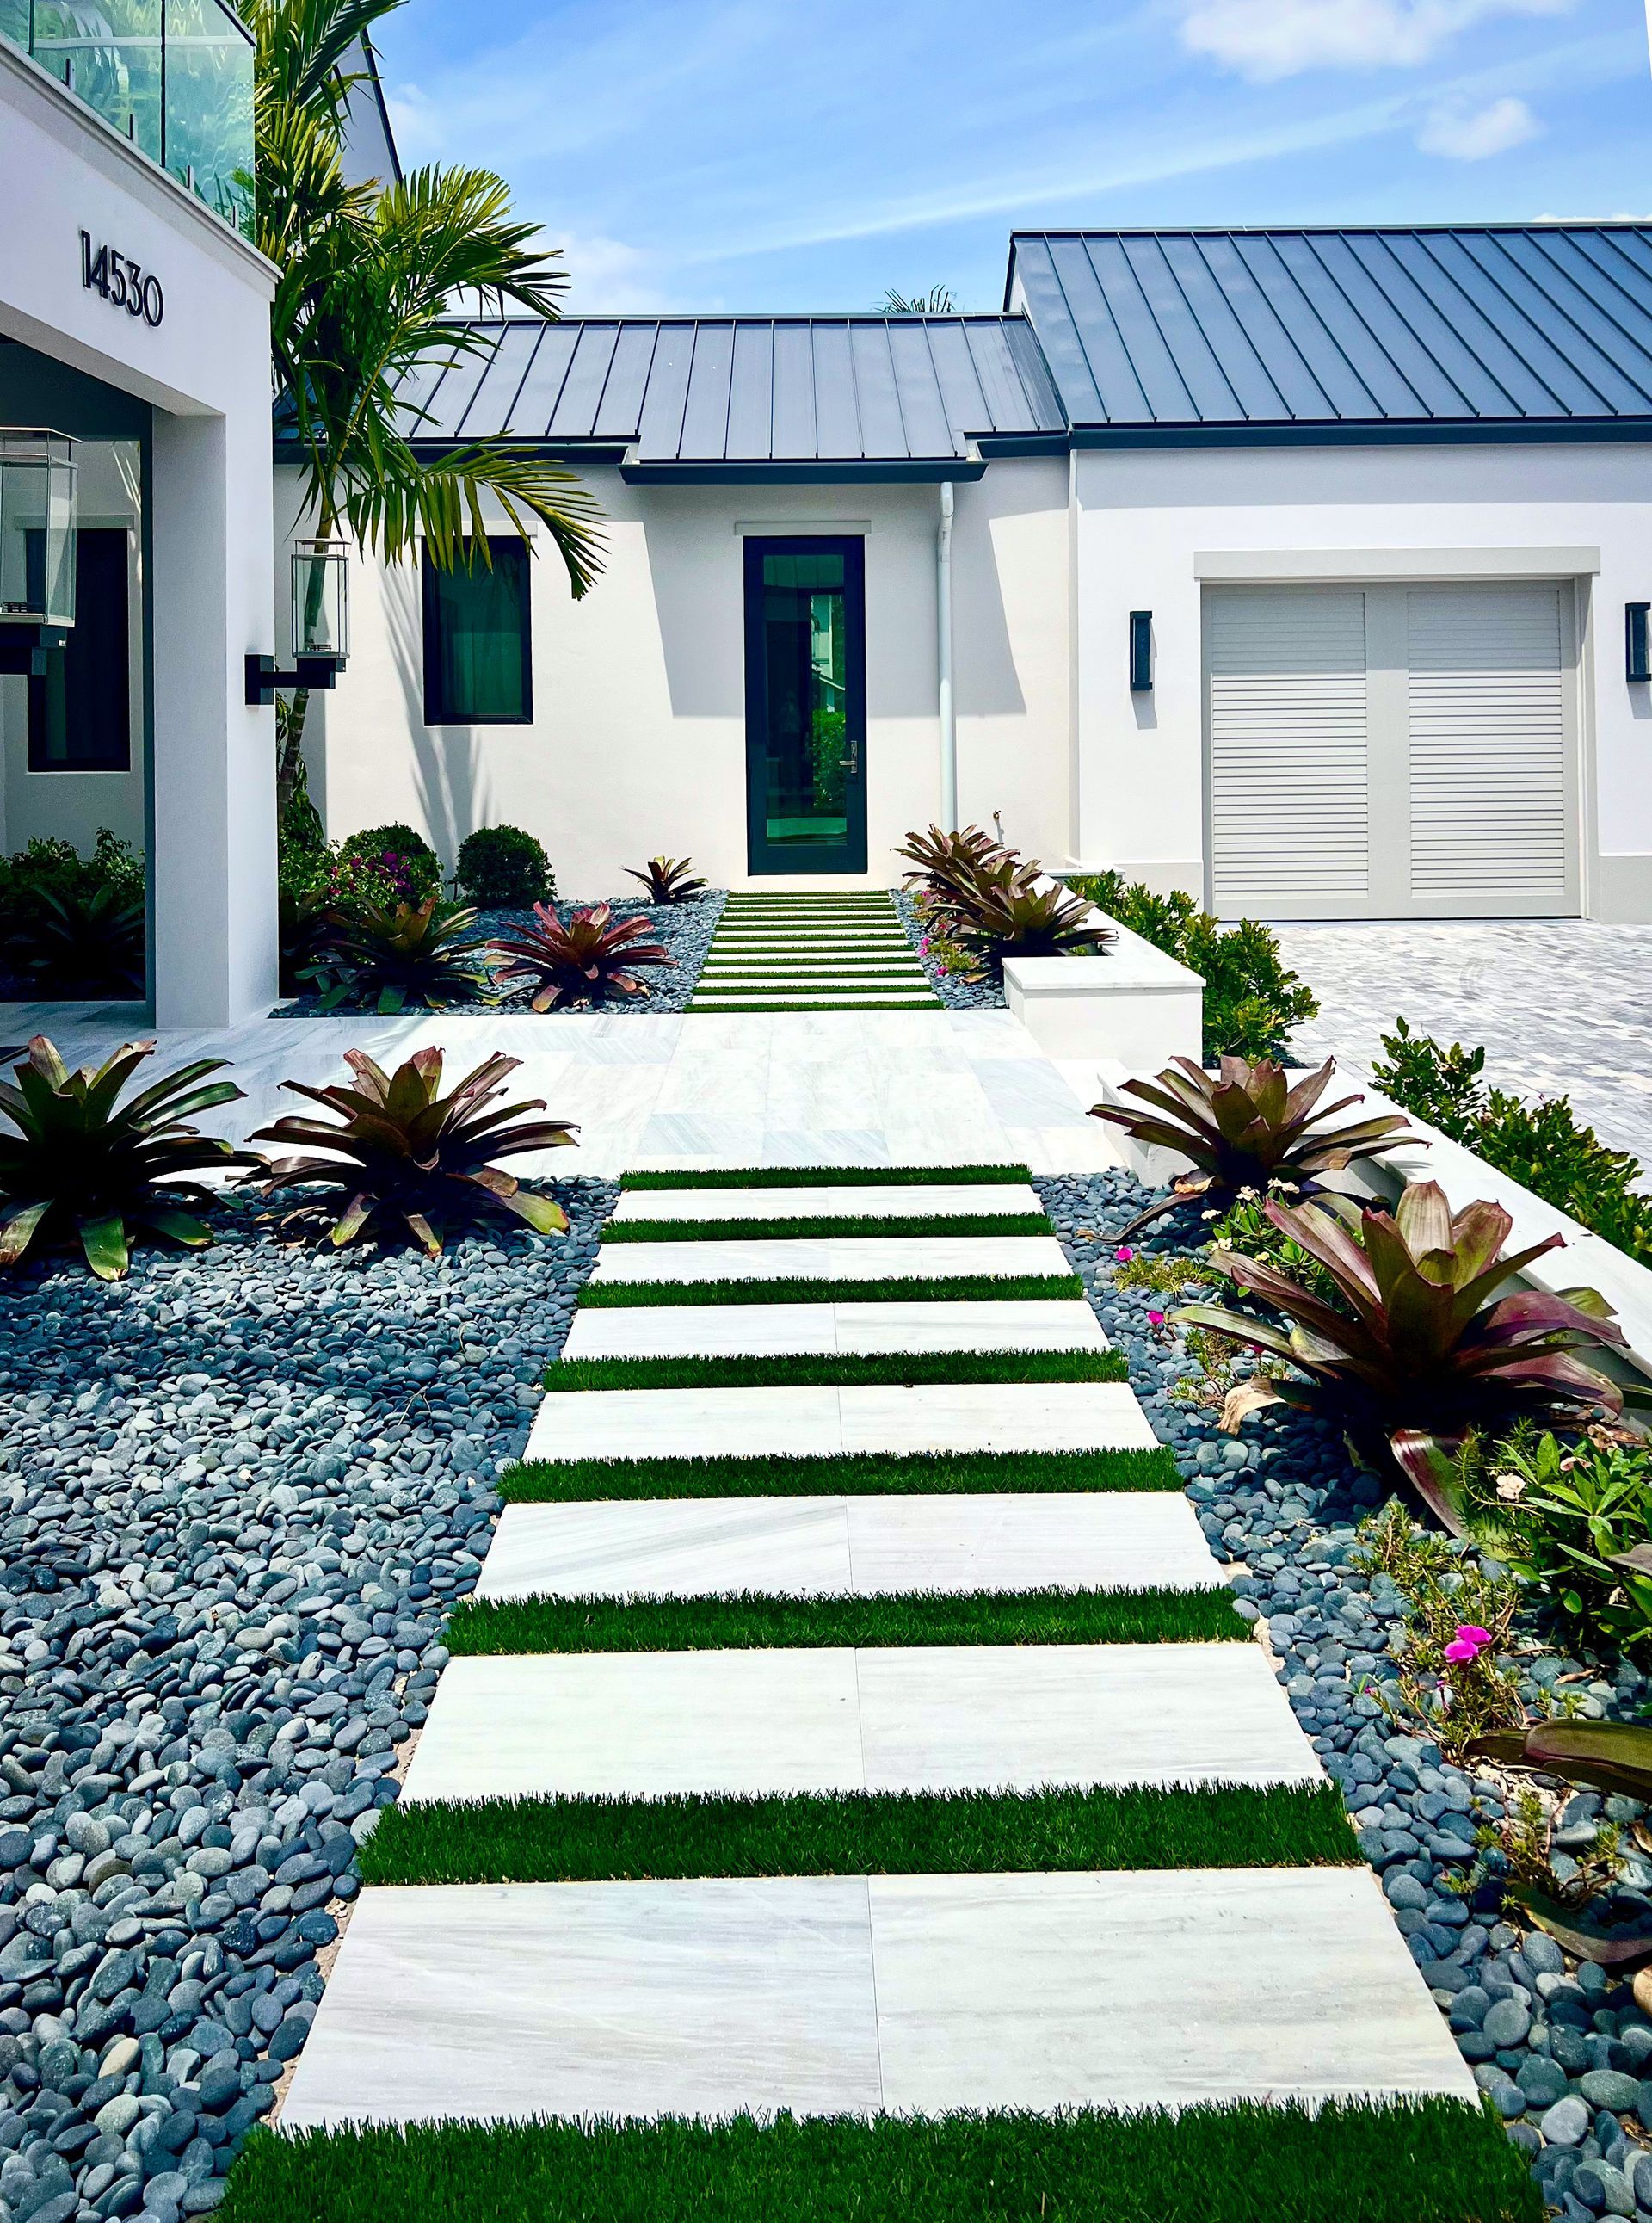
[
  {"x": 416, "y": 953},
  {"x": 402, "y": 1150},
  {"x": 669, "y": 879},
  {"x": 82, "y": 942},
  {"x": 581, "y": 959},
  {"x": 84, "y": 1168},
  {"x": 1246, "y": 1128},
  {"x": 1418, "y": 1348},
  {"x": 948, "y": 866},
  {"x": 1008, "y": 918}
]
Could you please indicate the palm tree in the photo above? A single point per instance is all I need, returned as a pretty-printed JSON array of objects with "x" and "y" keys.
[
  {"x": 371, "y": 278},
  {"x": 937, "y": 302}
]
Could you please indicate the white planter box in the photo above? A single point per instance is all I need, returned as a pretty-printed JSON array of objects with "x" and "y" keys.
[{"x": 1134, "y": 1005}]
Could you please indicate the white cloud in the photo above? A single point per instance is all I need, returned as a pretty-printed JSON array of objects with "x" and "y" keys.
[
  {"x": 609, "y": 278},
  {"x": 1469, "y": 135},
  {"x": 1267, "y": 39}
]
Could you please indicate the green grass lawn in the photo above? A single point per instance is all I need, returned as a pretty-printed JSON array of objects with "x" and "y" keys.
[
  {"x": 859, "y": 1833},
  {"x": 812, "y": 1289},
  {"x": 1399, "y": 2161},
  {"x": 813, "y": 1227},
  {"x": 822, "y": 1176},
  {"x": 750, "y": 1620},
  {"x": 835, "y": 1369},
  {"x": 823, "y": 1003},
  {"x": 839, "y": 1474}
]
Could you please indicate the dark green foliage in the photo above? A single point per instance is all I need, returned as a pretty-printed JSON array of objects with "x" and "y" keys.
[
  {"x": 843, "y": 1474},
  {"x": 1541, "y": 1145},
  {"x": 1252, "y": 997},
  {"x": 1390, "y": 2161},
  {"x": 501, "y": 867},
  {"x": 822, "y": 1176},
  {"x": 859, "y": 1833},
  {"x": 812, "y": 1228},
  {"x": 75, "y": 924},
  {"x": 1005, "y": 917},
  {"x": 402, "y": 849},
  {"x": 749, "y": 1621},
  {"x": 838, "y": 1369},
  {"x": 956, "y": 1288},
  {"x": 384, "y": 961},
  {"x": 1571, "y": 1516},
  {"x": 669, "y": 879},
  {"x": 402, "y": 1151},
  {"x": 81, "y": 1167}
]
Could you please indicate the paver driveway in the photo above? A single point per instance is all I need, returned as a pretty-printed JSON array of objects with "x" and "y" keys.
[{"x": 1563, "y": 1006}]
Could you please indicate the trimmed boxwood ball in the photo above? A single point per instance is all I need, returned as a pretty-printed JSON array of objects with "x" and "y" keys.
[
  {"x": 419, "y": 861},
  {"x": 502, "y": 865}
]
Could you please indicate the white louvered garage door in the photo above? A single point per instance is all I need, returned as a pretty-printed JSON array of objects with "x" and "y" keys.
[{"x": 1388, "y": 751}]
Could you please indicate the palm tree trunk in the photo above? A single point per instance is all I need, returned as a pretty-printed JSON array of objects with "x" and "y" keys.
[{"x": 289, "y": 760}]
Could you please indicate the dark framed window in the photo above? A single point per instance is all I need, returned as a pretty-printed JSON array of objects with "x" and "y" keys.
[
  {"x": 478, "y": 639},
  {"x": 80, "y": 708}
]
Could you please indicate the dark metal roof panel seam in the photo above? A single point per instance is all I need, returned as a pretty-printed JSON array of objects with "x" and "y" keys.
[
  {"x": 1038, "y": 380},
  {"x": 1530, "y": 330},
  {"x": 1448, "y": 335},
  {"x": 1243, "y": 322},
  {"x": 1577, "y": 244},
  {"x": 1171, "y": 361},
  {"x": 1272, "y": 273},
  {"x": 1051, "y": 274},
  {"x": 580, "y": 395},
  {"x": 1113, "y": 325},
  {"x": 515, "y": 391},
  {"x": 1359, "y": 318},
  {"x": 1174, "y": 279},
  {"x": 940, "y": 411},
  {"x": 633, "y": 427}
]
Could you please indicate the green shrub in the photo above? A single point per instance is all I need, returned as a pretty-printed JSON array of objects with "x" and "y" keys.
[
  {"x": 502, "y": 867},
  {"x": 399, "y": 850},
  {"x": 76, "y": 922},
  {"x": 1541, "y": 1145},
  {"x": 1252, "y": 997}
]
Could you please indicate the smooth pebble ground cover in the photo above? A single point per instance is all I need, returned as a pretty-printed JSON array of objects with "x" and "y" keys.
[
  {"x": 1559, "y": 2046},
  {"x": 237, "y": 1494},
  {"x": 956, "y": 991}
]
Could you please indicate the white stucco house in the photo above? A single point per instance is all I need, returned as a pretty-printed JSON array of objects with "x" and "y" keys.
[{"x": 1304, "y": 569}]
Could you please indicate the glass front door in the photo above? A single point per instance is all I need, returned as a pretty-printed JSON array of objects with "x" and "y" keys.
[{"x": 806, "y": 705}]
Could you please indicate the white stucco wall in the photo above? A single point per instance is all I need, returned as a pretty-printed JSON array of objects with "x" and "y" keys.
[
  {"x": 204, "y": 371},
  {"x": 639, "y": 740},
  {"x": 1141, "y": 518}
]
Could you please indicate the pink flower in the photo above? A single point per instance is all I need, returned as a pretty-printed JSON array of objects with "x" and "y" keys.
[
  {"x": 1468, "y": 1643},
  {"x": 1155, "y": 1319},
  {"x": 1125, "y": 1256}
]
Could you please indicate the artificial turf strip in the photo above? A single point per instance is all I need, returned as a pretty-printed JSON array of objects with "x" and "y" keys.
[
  {"x": 839, "y": 1474},
  {"x": 836, "y": 1369},
  {"x": 1348, "y": 2161},
  {"x": 605, "y": 1840},
  {"x": 817, "y": 1004},
  {"x": 800, "y": 1289},
  {"x": 749, "y": 1621},
  {"x": 828, "y": 1177},
  {"x": 809, "y": 1228}
]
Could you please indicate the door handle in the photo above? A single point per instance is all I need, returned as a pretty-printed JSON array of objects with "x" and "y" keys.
[{"x": 851, "y": 762}]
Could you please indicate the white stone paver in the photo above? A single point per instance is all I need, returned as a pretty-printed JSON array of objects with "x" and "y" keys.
[
  {"x": 831, "y": 1258},
  {"x": 832, "y": 1994},
  {"x": 908, "y": 1718},
  {"x": 914, "y": 1200},
  {"x": 819, "y": 1330},
  {"x": 820, "y": 1421},
  {"x": 832, "y": 1545}
]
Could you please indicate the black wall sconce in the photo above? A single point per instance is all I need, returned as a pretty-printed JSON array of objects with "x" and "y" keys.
[
  {"x": 321, "y": 623},
  {"x": 1638, "y": 651},
  {"x": 309, "y": 671},
  {"x": 1141, "y": 652}
]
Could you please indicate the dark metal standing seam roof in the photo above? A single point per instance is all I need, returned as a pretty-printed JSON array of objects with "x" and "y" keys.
[
  {"x": 693, "y": 396},
  {"x": 1424, "y": 331}
]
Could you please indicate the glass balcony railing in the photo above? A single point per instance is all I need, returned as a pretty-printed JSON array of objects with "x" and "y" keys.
[{"x": 175, "y": 77}]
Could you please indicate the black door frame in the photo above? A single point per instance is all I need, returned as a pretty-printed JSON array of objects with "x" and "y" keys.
[{"x": 850, "y": 855}]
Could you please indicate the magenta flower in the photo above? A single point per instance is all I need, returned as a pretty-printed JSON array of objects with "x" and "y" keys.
[
  {"x": 1125, "y": 1256},
  {"x": 1155, "y": 1319},
  {"x": 1468, "y": 1643}
]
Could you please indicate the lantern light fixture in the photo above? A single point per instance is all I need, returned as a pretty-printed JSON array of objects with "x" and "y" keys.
[
  {"x": 37, "y": 545},
  {"x": 320, "y": 623}
]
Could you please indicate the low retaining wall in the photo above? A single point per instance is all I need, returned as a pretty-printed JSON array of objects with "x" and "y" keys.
[
  {"x": 1585, "y": 1261},
  {"x": 1134, "y": 1006}
]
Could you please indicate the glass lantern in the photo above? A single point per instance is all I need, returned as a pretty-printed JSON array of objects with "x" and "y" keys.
[
  {"x": 321, "y": 599},
  {"x": 37, "y": 475}
]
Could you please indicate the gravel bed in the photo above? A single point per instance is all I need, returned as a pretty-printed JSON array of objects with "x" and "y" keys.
[
  {"x": 237, "y": 1493},
  {"x": 685, "y": 930},
  {"x": 954, "y": 990},
  {"x": 1560, "y": 2046}
]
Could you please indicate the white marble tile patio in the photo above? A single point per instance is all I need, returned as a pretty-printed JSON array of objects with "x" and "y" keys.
[
  {"x": 831, "y": 1258},
  {"x": 861, "y": 1546},
  {"x": 915, "y": 1718},
  {"x": 819, "y": 1422},
  {"x": 848, "y": 1994},
  {"x": 763, "y": 1331},
  {"x": 872, "y": 1200}
]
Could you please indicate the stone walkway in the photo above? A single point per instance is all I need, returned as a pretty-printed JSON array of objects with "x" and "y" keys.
[
  {"x": 852, "y": 1993},
  {"x": 811, "y": 953},
  {"x": 1563, "y": 1006}
]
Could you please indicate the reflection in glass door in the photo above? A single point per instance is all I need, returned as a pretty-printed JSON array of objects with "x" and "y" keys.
[{"x": 806, "y": 705}]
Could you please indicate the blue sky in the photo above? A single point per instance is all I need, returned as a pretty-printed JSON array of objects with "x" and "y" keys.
[{"x": 807, "y": 154}]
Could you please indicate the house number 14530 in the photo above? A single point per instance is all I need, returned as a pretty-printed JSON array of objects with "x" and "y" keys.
[{"x": 123, "y": 283}]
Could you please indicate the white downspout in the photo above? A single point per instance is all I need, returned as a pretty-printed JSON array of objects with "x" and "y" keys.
[{"x": 944, "y": 640}]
